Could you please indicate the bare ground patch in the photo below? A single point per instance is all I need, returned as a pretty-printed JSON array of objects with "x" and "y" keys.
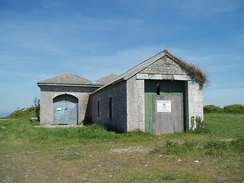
[{"x": 131, "y": 149}]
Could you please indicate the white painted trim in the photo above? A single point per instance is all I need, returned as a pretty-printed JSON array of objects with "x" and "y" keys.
[
  {"x": 182, "y": 77},
  {"x": 163, "y": 77}
]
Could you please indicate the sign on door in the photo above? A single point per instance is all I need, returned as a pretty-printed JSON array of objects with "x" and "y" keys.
[{"x": 163, "y": 106}]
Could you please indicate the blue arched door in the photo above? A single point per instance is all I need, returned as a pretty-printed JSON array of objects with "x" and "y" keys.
[{"x": 65, "y": 109}]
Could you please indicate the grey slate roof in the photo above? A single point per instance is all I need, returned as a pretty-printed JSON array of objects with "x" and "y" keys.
[
  {"x": 194, "y": 72},
  {"x": 71, "y": 79},
  {"x": 130, "y": 73},
  {"x": 107, "y": 79},
  {"x": 66, "y": 79}
]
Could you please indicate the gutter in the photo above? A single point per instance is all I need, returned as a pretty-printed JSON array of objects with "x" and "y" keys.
[{"x": 68, "y": 84}]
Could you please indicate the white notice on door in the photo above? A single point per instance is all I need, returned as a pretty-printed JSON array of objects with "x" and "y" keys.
[
  {"x": 59, "y": 109},
  {"x": 163, "y": 106}
]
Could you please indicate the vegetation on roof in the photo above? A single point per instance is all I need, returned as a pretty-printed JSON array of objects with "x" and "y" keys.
[{"x": 195, "y": 73}]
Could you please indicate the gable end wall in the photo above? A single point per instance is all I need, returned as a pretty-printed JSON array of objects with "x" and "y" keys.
[
  {"x": 165, "y": 66},
  {"x": 48, "y": 93}
]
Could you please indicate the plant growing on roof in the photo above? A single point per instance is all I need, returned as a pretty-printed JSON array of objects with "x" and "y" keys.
[{"x": 195, "y": 73}]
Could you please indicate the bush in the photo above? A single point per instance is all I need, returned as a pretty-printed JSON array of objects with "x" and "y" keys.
[
  {"x": 235, "y": 108},
  {"x": 22, "y": 112},
  {"x": 212, "y": 109},
  {"x": 37, "y": 108}
]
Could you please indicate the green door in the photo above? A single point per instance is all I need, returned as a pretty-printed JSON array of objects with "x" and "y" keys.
[{"x": 160, "y": 92}]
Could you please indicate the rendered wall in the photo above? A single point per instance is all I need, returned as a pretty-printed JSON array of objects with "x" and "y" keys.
[
  {"x": 118, "y": 94},
  {"x": 48, "y": 93}
]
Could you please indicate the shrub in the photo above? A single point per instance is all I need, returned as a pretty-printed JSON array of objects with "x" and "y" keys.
[
  {"x": 22, "y": 112},
  {"x": 212, "y": 109},
  {"x": 197, "y": 122},
  {"x": 37, "y": 108},
  {"x": 235, "y": 108},
  {"x": 171, "y": 148}
]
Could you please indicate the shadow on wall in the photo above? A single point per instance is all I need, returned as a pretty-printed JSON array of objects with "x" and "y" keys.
[{"x": 88, "y": 113}]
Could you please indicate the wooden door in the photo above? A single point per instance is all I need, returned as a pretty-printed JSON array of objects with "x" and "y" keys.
[
  {"x": 167, "y": 114},
  {"x": 167, "y": 90}
]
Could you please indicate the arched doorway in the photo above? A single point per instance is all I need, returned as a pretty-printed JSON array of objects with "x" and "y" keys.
[{"x": 65, "y": 109}]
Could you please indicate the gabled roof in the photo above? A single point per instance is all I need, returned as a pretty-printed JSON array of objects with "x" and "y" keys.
[
  {"x": 130, "y": 73},
  {"x": 66, "y": 79},
  {"x": 107, "y": 79},
  {"x": 193, "y": 72}
]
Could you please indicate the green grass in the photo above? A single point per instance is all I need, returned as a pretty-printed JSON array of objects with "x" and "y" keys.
[{"x": 94, "y": 154}]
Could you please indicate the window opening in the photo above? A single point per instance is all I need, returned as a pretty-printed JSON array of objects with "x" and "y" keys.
[
  {"x": 110, "y": 107},
  {"x": 98, "y": 108},
  {"x": 158, "y": 89}
]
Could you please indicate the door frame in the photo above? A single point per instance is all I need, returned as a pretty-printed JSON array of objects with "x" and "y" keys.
[
  {"x": 167, "y": 87},
  {"x": 66, "y": 100}
]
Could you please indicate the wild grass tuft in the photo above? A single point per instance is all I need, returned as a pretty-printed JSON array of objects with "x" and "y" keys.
[
  {"x": 214, "y": 148},
  {"x": 237, "y": 144},
  {"x": 168, "y": 177},
  {"x": 92, "y": 133},
  {"x": 211, "y": 147}
]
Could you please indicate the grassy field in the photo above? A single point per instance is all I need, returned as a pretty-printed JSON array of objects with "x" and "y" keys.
[{"x": 93, "y": 154}]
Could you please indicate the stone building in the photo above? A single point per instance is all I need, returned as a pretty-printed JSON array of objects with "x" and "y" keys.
[{"x": 160, "y": 95}]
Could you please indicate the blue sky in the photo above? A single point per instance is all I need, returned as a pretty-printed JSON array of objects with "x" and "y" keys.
[{"x": 40, "y": 39}]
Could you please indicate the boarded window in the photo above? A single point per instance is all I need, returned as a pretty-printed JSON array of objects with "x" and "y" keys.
[
  {"x": 110, "y": 107},
  {"x": 98, "y": 108}
]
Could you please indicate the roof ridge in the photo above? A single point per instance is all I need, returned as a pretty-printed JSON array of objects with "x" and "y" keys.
[
  {"x": 66, "y": 78},
  {"x": 107, "y": 79},
  {"x": 141, "y": 63},
  {"x": 126, "y": 75},
  {"x": 149, "y": 61},
  {"x": 193, "y": 71}
]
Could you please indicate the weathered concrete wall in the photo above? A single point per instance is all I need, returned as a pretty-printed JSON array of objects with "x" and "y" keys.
[
  {"x": 195, "y": 101},
  {"x": 48, "y": 93},
  {"x": 135, "y": 104},
  {"x": 119, "y": 113},
  {"x": 163, "y": 69}
]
